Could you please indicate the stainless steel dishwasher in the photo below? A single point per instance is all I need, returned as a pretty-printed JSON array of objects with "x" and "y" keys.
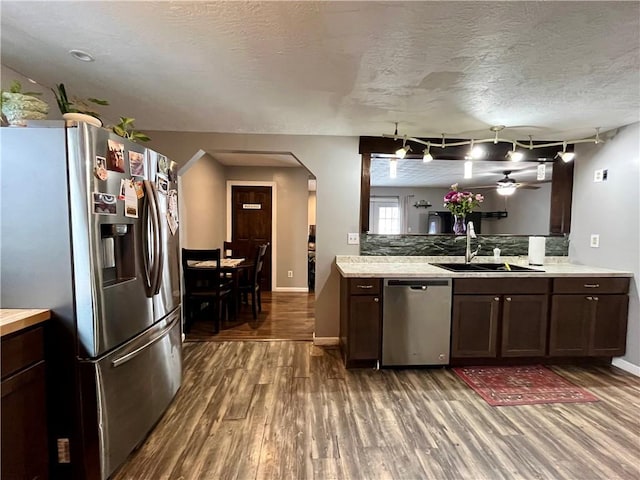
[{"x": 416, "y": 322}]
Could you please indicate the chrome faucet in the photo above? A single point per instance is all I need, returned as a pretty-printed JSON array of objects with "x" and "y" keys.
[{"x": 468, "y": 254}]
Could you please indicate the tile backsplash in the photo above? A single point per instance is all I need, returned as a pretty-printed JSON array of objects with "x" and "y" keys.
[{"x": 450, "y": 245}]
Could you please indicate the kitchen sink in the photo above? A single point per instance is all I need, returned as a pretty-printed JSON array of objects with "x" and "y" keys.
[{"x": 483, "y": 267}]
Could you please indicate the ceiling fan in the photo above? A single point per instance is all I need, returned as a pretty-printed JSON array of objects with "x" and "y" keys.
[{"x": 508, "y": 185}]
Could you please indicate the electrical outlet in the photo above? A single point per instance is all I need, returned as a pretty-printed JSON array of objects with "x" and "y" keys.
[
  {"x": 290, "y": 273},
  {"x": 595, "y": 240},
  {"x": 353, "y": 238},
  {"x": 597, "y": 175}
]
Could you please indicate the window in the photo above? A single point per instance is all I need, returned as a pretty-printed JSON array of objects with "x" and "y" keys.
[{"x": 385, "y": 215}]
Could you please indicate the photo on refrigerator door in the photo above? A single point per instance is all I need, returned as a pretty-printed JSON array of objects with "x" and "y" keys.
[
  {"x": 136, "y": 164},
  {"x": 163, "y": 184},
  {"x": 104, "y": 204},
  {"x": 115, "y": 157}
]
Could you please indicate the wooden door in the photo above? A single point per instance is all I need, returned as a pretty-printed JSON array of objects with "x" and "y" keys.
[
  {"x": 364, "y": 327},
  {"x": 251, "y": 224}
]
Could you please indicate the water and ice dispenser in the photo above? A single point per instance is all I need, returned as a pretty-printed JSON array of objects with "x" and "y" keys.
[{"x": 118, "y": 252}]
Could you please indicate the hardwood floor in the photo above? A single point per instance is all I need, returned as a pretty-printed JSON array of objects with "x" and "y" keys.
[
  {"x": 289, "y": 410},
  {"x": 285, "y": 316}
]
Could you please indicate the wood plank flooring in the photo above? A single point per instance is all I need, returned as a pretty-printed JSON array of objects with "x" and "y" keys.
[
  {"x": 285, "y": 316},
  {"x": 289, "y": 410}
]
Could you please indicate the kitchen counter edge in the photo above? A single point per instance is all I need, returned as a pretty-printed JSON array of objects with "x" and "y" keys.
[
  {"x": 15, "y": 319},
  {"x": 387, "y": 268}
]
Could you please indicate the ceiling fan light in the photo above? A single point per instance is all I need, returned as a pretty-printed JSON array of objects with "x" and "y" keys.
[
  {"x": 393, "y": 168},
  {"x": 506, "y": 189}
]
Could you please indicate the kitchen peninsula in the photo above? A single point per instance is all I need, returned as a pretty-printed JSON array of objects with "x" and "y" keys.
[{"x": 556, "y": 313}]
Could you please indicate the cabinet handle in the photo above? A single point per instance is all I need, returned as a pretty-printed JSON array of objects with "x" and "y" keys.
[
  {"x": 376, "y": 299},
  {"x": 595, "y": 298},
  {"x": 496, "y": 299},
  {"x": 508, "y": 299},
  {"x": 365, "y": 286},
  {"x": 589, "y": 298},
  {"x": 591, "y": 285}
]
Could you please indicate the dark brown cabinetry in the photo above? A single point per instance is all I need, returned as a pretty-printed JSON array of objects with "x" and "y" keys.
[
  {"x": 360, "y": 321},
  {"x": 494, "y": 318},
  {"x": 589, "y": 317},
  {"x": 24, "y": 431}
]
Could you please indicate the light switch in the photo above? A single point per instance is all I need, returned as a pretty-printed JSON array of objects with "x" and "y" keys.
[
  {"x": 353, "y": 238},
  {"x": 595, "y": 240}
]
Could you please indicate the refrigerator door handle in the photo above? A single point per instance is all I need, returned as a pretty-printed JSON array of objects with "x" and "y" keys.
[
  {"x": 160, "y": 251},
  {"x": 152, "y": 270},
  {"x": 155, "y": 336}
]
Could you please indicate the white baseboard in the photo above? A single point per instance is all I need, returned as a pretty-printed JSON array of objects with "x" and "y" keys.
[
  {"x": 291, "y": 289},
  {"x": 326, "y": 341},
  {"x": 626, "y": 366}
]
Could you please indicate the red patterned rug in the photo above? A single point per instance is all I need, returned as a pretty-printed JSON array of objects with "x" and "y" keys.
[{"x": 524, "y": 385}]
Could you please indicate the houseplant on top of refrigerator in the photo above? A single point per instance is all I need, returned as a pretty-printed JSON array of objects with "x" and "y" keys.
[
  {"x": 126, "y": 129},
  {"x": 18, "y": 106},
  {"x": 77, "y": 109}
]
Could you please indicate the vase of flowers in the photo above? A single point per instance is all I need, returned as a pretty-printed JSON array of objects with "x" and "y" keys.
[{"x": 461, "y": 203}]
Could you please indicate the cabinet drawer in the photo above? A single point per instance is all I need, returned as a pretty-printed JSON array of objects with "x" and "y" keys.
[
  {"x": 591, "y": 285},
  {"x": 21, "y": 349},
  {"x": 497, "y": 286},
  {"x": 364, "y": 286}
]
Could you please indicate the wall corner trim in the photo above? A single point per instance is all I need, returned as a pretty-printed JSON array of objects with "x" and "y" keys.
[{"x": 626, "y": 366}]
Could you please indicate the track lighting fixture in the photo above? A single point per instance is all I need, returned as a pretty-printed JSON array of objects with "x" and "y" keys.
[
  {"x": 564, "y": 155},
  {"x": 402, "y": 152},
  {"x": 476, "y": 151},
  {"x": 514, "y": 155},
  {"x": 427, "y": 157}
]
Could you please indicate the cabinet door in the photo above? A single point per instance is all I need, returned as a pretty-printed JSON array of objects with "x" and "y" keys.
[
  {"x": 524, "y": 325},
  {"x": 608, "y": 333},
  {"x": 569, "y": 325},
  {"x": 24, "y": 425},
  {"x": 364, "y": 327},
  {"x": 474, "y": 325}
]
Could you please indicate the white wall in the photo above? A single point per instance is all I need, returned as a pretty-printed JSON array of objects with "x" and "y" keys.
[
  {"x": 292, "y": 190},
  {"x": 612, "y": 210},
  {"x": 334, "y": 161}
]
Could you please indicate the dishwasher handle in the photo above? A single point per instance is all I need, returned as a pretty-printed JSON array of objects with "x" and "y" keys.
[{"x": 417, "y": 284}]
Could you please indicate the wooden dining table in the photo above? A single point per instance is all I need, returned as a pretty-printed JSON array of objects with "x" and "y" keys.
[{"x": 236, "y": 267}]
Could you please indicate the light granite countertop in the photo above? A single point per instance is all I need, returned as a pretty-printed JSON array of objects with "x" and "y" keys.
[{"x": 359, "y": 266}]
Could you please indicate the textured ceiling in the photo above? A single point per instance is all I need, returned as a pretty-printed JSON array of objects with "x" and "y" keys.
[
  {"x": 412, "y": 172},
  {"x": 340, "y": 68}
]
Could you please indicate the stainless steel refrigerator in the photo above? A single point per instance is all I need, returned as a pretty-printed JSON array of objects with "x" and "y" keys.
[{"x": 108, "y": 269}]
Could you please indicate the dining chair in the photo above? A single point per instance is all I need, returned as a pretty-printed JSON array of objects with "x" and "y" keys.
[
  {"x": 252, "y": 284},
  {"x": 204, "y": 286}
]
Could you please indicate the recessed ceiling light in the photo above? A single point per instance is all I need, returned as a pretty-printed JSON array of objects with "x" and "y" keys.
[{"x": 81, "y": 55}]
